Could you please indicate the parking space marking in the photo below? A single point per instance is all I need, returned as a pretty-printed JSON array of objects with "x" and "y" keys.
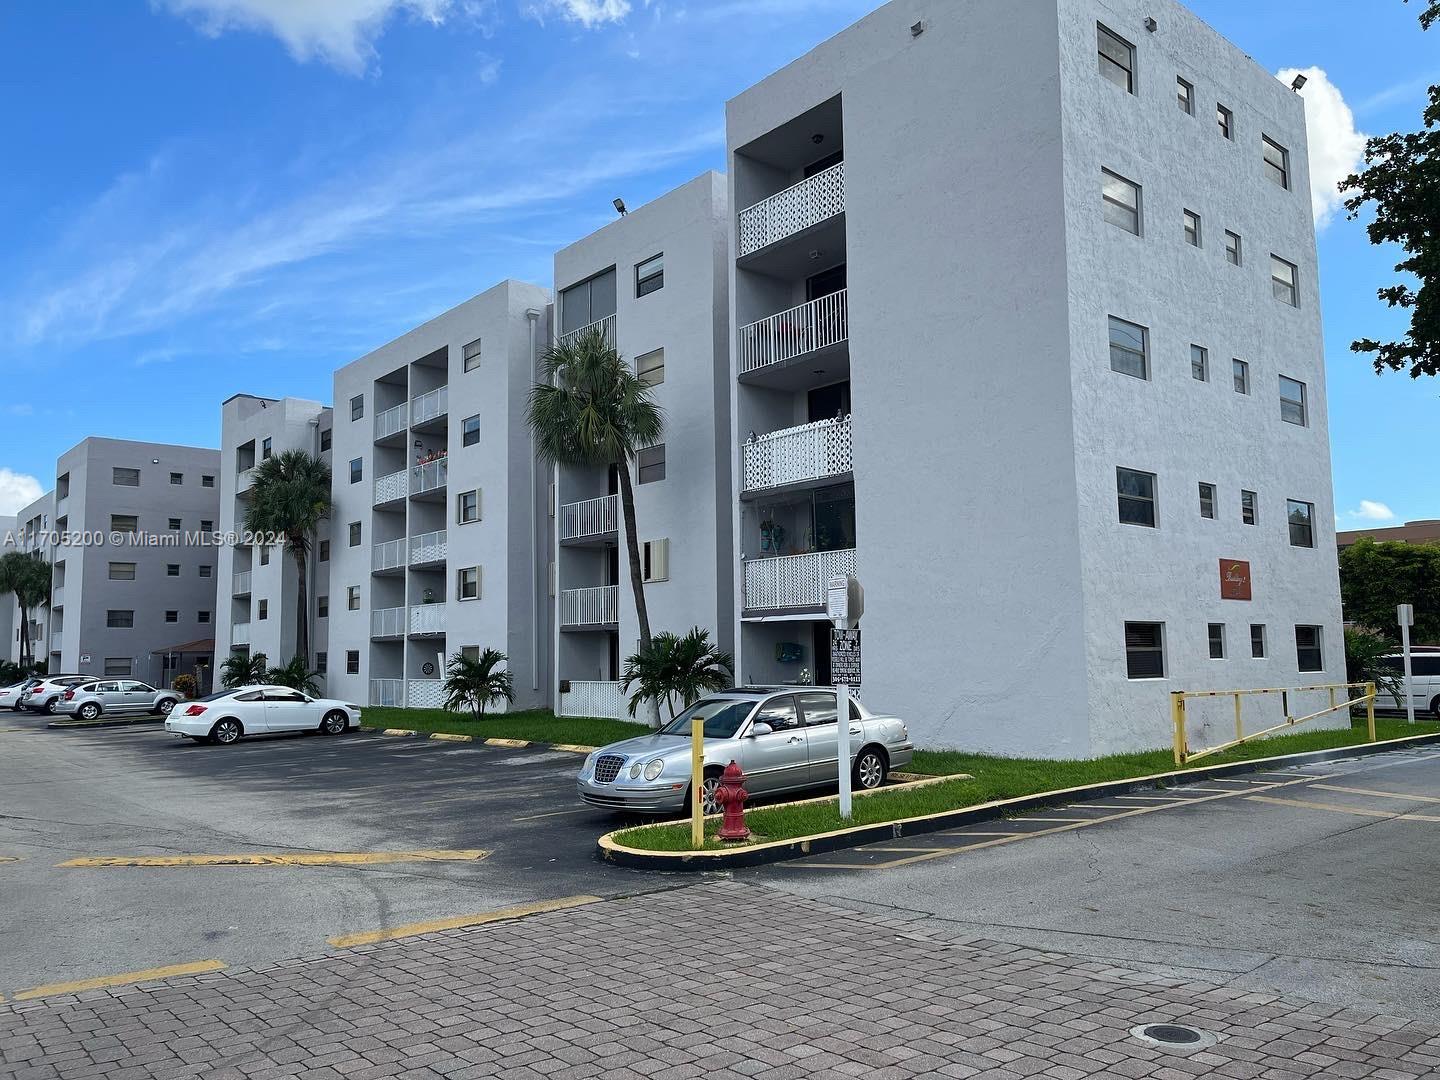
[
  {"x": 1378, "y": 794},
  {"x": 199, "y": 967},
  {"x": 10, "y": 858},
  {"x": 346, "y": 941},
  {"x": 299, "y": 858},
  {"x": 557, "y": 813},
  {"x": 1360, "y": 811}
]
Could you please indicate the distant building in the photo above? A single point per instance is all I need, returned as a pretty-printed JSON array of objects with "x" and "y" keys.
[{"x": 1425, "y": 531}]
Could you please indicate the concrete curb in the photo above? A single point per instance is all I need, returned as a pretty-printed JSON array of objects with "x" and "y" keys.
[
  {"x": 800, "y": 846},
  {"x": 506, "y": 744},
  {"x": 63, "y": 724}
]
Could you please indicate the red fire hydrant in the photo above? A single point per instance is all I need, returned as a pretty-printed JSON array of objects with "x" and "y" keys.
[{"x": 731, "y": 796}]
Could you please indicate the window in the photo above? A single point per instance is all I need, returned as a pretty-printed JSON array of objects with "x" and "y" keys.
[
  {"x": 1217, "y": 641},
  {"x": 202, "y": 616},
  {"x": 207, "y": 481},
  {"x": 1129, "y": 348},
  {"x": 1192, "y": 228},
  {"x": 1301, "y": 516},
  {"x": 467, "y": 507},
  {"x": 172, "y": 616},
  {"x": 1144, "y": 650},
  {"x": 1308, "y": 653},
  {"x": 1292, "y": 401},
  {"x": 470, "y": 431},
  {"x": 1248, "y": 515},
  {"x": 655, "y": 560},
  {"x": 264, "y": 610},
  {"x": 207, "y": 571},
  {"x": 1185, "y": 96},
  {"x": 122, "y": 571},
  {"x": 1121, "y": 201},
  {"x": 1117, "y": 58},
  {"x": 1282, "y": 281},
  {"x": 117, "y": 665},
  {"x": 175, "y": 524},
  {"x": 1226, "y": 119},
  {"x": 1240, "y": 374},
  {"x": 125, "y": 523},
  {"x": 1232, "y": 248},
  {"x": 322, "y": 607},
  {"x": 357, "y": 470},
  {"x": 125, "y": 477},
  {"x": 1137, "y": 497},
  {"x": 650, "y": 276},
  {"x": 651, "y": 367},
  {"x": 357, "y": 407},
  {"x": 172, "y": 569},
  {"x": 1207, "y": 500},
  {"x": 119, "y": 619},
  {"x": 470, "y": 356},
  {"x": 264, "y": 556},
  {"x": 1277, "y": 161},
  {"x": 322, "y": 663},
  {"x": 352, "y": 662},
  {"x": 357, "y": 532},
  {"x": 650, "y": 464},
  {"x": 1257, "y": 640},
  {"x": 468, "y": 583},
  {"x": 327, "y": 440},
  {"x": 1199, "y": 363},
  {"x": 177, "y": 478},
  {"x": 352, "y": 598},
  {"x": 266, "y": 448},
  {"x": 207, "y": 526},
  {"x": 324, "y": 550},
  {"x": 587, "y": 303}
]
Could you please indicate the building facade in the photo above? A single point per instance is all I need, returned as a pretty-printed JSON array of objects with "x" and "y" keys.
[
  {"x": 32, "y": 534},
  {"x": 1426, "y": 531}
]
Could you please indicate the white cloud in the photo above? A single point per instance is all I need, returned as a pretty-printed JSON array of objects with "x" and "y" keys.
[
  {"x": 17, "y": 490},
  {"x": 1369, "y": 510},
  {"x": 1336, "y": 148},
  {"x": 588, "y": 13},
  {"x": 339, "y": 32}
]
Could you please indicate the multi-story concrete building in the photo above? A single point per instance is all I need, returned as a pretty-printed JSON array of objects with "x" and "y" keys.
[
  {"x": 655, "y": 282},
  {"x": 438, "y": 543},
  {"x": 1426, "y": 531},
  {"x": 255, "y": 609},
  {"x": 134, "y": 582},
  {"x": 9, "y": 615},
  {"x": 32, "y": 534},
  {"x": 1027, "y": 330}
]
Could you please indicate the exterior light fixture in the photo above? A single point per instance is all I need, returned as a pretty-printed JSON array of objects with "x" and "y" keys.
[
  {"x": 916, "y": 29},
  {"x": 1151, "y": 24},
  {"x": 620, "y": 207},
  {"x": 1298, "y": 82}
]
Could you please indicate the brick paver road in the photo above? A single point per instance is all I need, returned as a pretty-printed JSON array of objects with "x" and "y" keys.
[{"x": 654, "y": 987}]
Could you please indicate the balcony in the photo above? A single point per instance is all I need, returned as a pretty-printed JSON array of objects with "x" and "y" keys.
[
  {"x": 245, "y": 481},
  {"x": 791, "y": 582},
  {"x": 594, "y": 699},
  {"x": 392, "y": 488},
  {"x": 429, "y": 549},
  {"x": 427, "y": 620},
  {"x": 57, "y": 596},
  {"x": 797, "y": 209},
  {"x": 590, "y": 520},
  {"x": 798, "y": 455},
  {"x": 590, "y": 608},
  {"x": 240, "y": 633},
  {"x": 430, "y": 478},
  {"x": 241, "y": 587},
  {"x": 773, "y": 344},
  {"x": 429, "y": 406},
  {"x": 425, "y": 694},
  {"x": 389, "y": 557},
  {"x": 606, "y": 326},
  {"x": 391, "y": 422},
  {"x": 387, "y": 622},
  {"x": 387, "y": 693}
]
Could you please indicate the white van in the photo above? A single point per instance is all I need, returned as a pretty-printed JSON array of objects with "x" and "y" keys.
[{"x": 1424, "y": 679}]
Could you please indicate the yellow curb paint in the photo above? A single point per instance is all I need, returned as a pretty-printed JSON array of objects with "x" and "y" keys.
[
  {"x": 1378, "y": 794},
  {"x": 199, "y": 967},
  {"x": 514, "y": 744},
  {"x": 299, "y": 858},
  {"x": 398, "y": 731},
  {"x": 446, "y": 737},
  {"x": 346, "y": 941},
  {"x": 1359, "y": 811},
  {"x": 9, "y": 858},
  {"x": 574, "y": 749}
]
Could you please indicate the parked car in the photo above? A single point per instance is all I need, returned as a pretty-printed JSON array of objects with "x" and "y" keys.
[
  {"x": 10, "y": 696},
  {"x": 1424, "y": 679},
  {"x": 45, "y": 695},
  {"x": 116, "y": 697},
  {"x": 785, "y": 738},
  {"x": 255, "y": 710}
]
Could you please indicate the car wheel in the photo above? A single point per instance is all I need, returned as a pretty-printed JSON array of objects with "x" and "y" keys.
[
  {"x": 708, "y": 788},
  {"x": 50, "y": 706},
  {"x": 89, "y": 711},
  {"x": 870, "y": 770},
  {"x": 225, "y": 732},
  {"x": 334, "y": 723},
  {"x": 166, "y": 704}
]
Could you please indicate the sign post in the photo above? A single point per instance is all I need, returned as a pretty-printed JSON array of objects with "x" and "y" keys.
[
  {"x": 844, "y": 604},
  {"x": 1405, "y": 615}
]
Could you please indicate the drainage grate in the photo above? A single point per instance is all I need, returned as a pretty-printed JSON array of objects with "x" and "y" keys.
[{"x": 1174, "y": 1036}]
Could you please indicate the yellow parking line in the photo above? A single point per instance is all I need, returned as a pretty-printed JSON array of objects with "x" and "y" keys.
[
  {"x": 10, "y": 858},
  {"x": 912, "y": 850},
  {"x": 300, "y": 858},
  {"x": 346, "y": 941},
  {"x": 1378, "y": 794},
  {"x": 199, "y": 967},
  {"x": 1357, "y": 810},
  {"x": 557, "y": 813},
  {"x": 574, "y": 749},
  {"x": 514, "y": 744}
]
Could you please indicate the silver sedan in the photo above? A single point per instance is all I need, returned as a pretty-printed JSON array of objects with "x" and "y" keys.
[
  {"x": 117, "y": 698},
  {"x": 785, "y": 739}
]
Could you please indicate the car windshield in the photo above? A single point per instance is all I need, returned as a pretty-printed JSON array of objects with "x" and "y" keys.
[{"x": 722, "y": 716}]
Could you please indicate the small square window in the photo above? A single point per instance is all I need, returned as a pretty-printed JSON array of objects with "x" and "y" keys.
[
  {"x": 1248, "y": 513},
  {"x": 1129, "y": 348},
  {"x": 322, "y": 607},
  {"x": 263, "y": 612},
  {"x": 172, "y": 616},
  {"x": 118, "y": 665},
  {"x": 352, "y": 662},
  {"x": 650, "y": 464},
  {"x": 172, "y": 570},
  {"x": 122, "y": 571},
  {"x": 1301, "y": 516},
  {"x": 470, "y": 431},
  {"x": 1309, "y": 655},
  {"x": 1144, "y": 650},
  {"x": 467, "y": 507},
  {"x": 1240, "y": 375},
  {"x": 1207, "y": 500},
  {"x": 1136, "y": 491},
  {"x": 1226, "y": 119},
  {"x": 1217, "y": 641},
  {"x": 207, "y": 481},
  {"x": 125, "y": 477},
  {"x": 357, "y": 532},
  {"x": 468, "y": 583},
  {"x": 1199, "y": 363},
  {"x": 206, "y": 525},
  {"x": 1292, "y": 401},
  {"x": 175, "y": 525},
  {"x": 1233, "y": 253},
  {"x": 1185, "y": 96},
  {"x": 357, "y": 407},
  {"x": 651, "y": 367},
  {"x": 207, "y": 571},
  {"x": 176, "y": 479},
  {"x": 202, "y": 616},
  {"x": 1283, "y": 281},
  {"x": 327, "y": 440},
  {"x": 352, "y": 598},
  {"x": 470, "y": 356},
  {"x": 124, "y": 523},
  {"x": 650, "y": 276},
  {"x": 1192, "y": 228},
  {"x": 1277, "y": 161},
  {"x": 357, "y": 470},
  {"x": 1120, "y": 200},
  {"x": 1257, "y": 640},
  {"x": 1117, "y": 58}
]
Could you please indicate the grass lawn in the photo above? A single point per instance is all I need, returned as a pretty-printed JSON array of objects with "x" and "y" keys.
[
  {"x": 996, "y": 778},
  {"x": 534, "y": 725}
]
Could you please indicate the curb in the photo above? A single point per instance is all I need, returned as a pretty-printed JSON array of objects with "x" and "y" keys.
[
  {"x": 507, "y": 744},
  {"x": 62, "y": 724},
  {"x": 820, "y": 843}
]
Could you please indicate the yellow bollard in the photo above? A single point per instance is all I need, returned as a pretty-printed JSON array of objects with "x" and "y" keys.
[
  {"x": 1239, "y": 725},
  {"x": 697, "y": 783},
  {"x": 1370, "y": 709},
  {"x": 1177, "y": 718}
]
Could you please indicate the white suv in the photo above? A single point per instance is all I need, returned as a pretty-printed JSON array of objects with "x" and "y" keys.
[{"x": 1424, "y": 678}]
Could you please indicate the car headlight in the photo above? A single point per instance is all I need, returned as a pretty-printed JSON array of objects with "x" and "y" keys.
[
  {"x": 589, "y": 765},
  {"x": 654, "y": 769},
  {"x": 635, "y": 770}
]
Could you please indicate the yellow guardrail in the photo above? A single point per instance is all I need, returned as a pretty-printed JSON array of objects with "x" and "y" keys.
[{"x": 1178, "y": 698}]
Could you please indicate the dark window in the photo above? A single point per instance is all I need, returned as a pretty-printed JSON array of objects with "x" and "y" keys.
[
  {"x": 650, "y": 464},
  {"x": 175, "y": 524},
  {"x": 322, "y": 663},
  {"x": 322, "y": 607},
  {"x": 203, "y": 616},
  {"x": 327, "y": 439},
  {"x": 172, "y": 616},
  {"x": 1137, "y": 497},
  {"x": 264, "y": 612},
  {"x": 650, "y": 276},
  {"x": 357, "y": 470},
  {"x": 1129, "y": 345},
  {"x": 1240, "y": 375},
  {"x": 207, "y": 481},
  {"x": 470, "y": 356},
  {"x": 324, "y": 550},
  {"x": 470, "y": 431},
  {"x": 356, "y": 534},
  {"x": 1217, "y": 641},
  {"x": 1292, "y": 401},
  {"x": 1120, "y": 201},
  {"x": 1277, "y": 161},
  {"x": 1308, "y": 654},
  {"x": 118, "y": 665},
  {"x": 1427, "y": 666},
  {"x": 357, "y": 407},
  {"x": 1145, "y": 650},
  {"x": 1232, "y": 248},
  {"x": 1207, "y": 500},
  {"x": 119, "y": 620},
  {"x": 177, "y": 478},
  {"x": 122, "y": 571},
  {"x": 1283, "y": 281},
  {"x": 172, "y": 569},
  {"x": 207, "y": 571},
  {"x": 1199, "y": 363},
  {"x": 651, "y": 367},
  {"x": 265, "y": 449},
  {"x": 125, "y": 523},
  {"x": 1192, "y": 228},
  {"x": 125, "y": 477},
  {"x": 1301, "y": 516},
  {"x": 588, "y": 302},
  {"x": 207, "y": 526},
  {"x": 352, "y": 598},
  {"x": 1226, "y": 119},
  {"x": 352, "y": 662},
  {"x": 1185, "y": 96},
  {"x": 1117, "y": 58},
  {"x": 1247, "y": 508},
  {"x": 1257, "y": 640}
]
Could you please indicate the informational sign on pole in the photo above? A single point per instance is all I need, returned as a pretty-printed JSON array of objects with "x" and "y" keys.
[
  {"x": 844, "y": 604},
  {"x": 1405, "y": 616},
  {"x": 845, "y": 657}
]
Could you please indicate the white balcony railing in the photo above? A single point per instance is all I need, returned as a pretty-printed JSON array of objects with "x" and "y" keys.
[
  {"x": 809, "y": 452},
  {"x": 392, "y": 487},
  {"x": 805, "y": 329},
  {"x": 57, "y": 596},
  {"x": 244, "y": 480},
  {"x": 390, "y": 422},
  {"x": 427, "y": 619},
  {"x": 62, "y": 506},
  {"x": 813, "y": 200},
  {"x": 240, "y": 633},
  {"x": 430, "y": 405},
  {"x": 390, "y": 555},
  {"x": 606, "y": 326},
  {"x": 428, "y": 477},
  {"x": 387, "y": 622},
  {"x": 388, "y": 693},
  {"x": 590, "y": 607},
  {"x": 592, "y": 517},
  {"x": 431, "y": 547},
  {"x": 242, "y": 583},
  {"x": 425, "y": 694},
  {"x": 601, "y": 699},
  {"x": 794, "y": 581}
]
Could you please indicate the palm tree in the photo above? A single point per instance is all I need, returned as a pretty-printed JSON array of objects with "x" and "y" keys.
[
  {"x": 291, "y": 497},
  {"x": 296, "y": 675},
  {"x": 677, "y": 667},
  {"x": 473, "y": 682},
  {"x": 593, "y": 410},
  {"x": 242, "y": 669},
  {"x": 28, "y": 575}
]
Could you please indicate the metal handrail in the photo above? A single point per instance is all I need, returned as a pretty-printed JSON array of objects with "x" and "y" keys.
[{"x": 1178, "y": 698}]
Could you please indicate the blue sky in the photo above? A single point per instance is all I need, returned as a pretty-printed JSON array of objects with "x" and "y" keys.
[{"x": 210, "y": 196}]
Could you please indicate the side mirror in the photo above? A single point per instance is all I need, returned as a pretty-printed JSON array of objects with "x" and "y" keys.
[{"x": 760, "y": 729}]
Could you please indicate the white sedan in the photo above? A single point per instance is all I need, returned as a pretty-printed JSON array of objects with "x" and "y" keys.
[{"x": 256, "y": 710}]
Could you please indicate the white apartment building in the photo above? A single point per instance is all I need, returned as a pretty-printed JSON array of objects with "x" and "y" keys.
[
  {"x": 438, "y": 538},
  {"x": 32, "y": 533},
  {"x": 255, "y": 608},
  {"x": 1027, "y": 333},
  {"x": 655, "y": 280},
  {"x": 9, "y": 614}
]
